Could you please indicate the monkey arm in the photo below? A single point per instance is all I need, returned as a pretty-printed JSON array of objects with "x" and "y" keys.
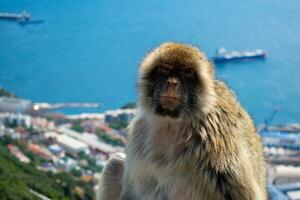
[
  {"x": 110, "y": 184},
  {"x": 127, "y": 190},
  {"x": 137, "y": 185}
]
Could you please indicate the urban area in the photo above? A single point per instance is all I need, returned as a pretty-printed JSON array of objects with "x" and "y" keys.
[{"x": 45, "y": 154}]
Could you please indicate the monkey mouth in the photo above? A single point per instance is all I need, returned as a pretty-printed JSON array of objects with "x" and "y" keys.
[
  {"x": 170, "y": 97},
  {"x": 169, "y": 102}
]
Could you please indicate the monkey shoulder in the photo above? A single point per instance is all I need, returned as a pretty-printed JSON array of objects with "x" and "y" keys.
[
  {"x": 229, "y": 109},
  {"x": 228, "y": 130},
  {"x": 226, "y": 98}
]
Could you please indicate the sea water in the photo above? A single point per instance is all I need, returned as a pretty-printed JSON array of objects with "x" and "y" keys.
[{"x": 89, "y": 51}]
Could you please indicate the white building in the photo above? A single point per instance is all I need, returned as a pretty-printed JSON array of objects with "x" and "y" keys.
[
  {"x": 10, "y": 119},
  {"x": 119, "y": 115},
  {"x": 9, "y": 104},
  {"x": 70, "y": 144},
  {"x": 90, "y": 140},
  {"x": 98, "y": 116},
  {"x": 281, "y": 139}
]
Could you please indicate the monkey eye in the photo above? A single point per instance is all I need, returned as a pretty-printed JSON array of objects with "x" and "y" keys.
[
  {"x": 188, "y": 72},
  {"x": 164, "y": 69}
]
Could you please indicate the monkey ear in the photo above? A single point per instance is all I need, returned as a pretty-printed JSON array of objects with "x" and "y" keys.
[{"x": 148, "y": 63}]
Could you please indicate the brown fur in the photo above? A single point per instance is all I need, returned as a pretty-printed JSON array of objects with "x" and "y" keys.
[{"x": 210, "y": 153}]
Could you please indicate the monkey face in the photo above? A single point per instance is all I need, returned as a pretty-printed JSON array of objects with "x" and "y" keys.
[
  {"x": 176, "y": 80},
  {"x": 172, "y": 89}
]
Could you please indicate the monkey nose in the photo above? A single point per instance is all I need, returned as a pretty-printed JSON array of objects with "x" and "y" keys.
[{"x": 172, "y": 82}]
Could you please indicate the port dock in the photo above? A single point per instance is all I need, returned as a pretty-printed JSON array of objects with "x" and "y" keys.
[
  {"x": 47, "y": 106},
  {"x": 222, "y": 55}
]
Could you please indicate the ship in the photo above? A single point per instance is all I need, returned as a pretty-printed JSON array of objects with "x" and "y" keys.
[
  {"x": 222, "y": 55},
  {"x": 22, "y": 18}
]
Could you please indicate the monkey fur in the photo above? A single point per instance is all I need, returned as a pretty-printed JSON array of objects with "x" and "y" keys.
[
  {"x": 191, "y": 139},
  {"x": 110, "y": 184}
]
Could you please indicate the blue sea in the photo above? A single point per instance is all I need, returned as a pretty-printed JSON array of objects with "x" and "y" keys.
[{"x": 89, "y": 51}]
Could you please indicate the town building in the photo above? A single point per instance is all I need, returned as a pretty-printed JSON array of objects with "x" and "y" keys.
[
  {"x": 40, "y": 151},
  {"x": 91, "y": 141},
  {"x": 17, "y": 153},
  {"x": 13, "y": 120},
  {"x": 69, "y": 144},
  {"x": 15, "y": 105},
  {"x": 42, "y": 123},
  {"x": 287, "y": 140},
  {"x": 57, "y": 150},
  {"x": 119, "y": 115}
]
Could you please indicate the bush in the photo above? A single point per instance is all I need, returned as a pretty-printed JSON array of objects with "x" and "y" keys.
[
  {"x": 108, "y": 139},
  {"x": 76, "y": 126}
]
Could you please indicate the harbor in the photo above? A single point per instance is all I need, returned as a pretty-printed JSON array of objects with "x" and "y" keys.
[{"x": 58, "y": 57}]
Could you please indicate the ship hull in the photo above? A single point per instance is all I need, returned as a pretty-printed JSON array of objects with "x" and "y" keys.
[{"x": 241, "y": 58}]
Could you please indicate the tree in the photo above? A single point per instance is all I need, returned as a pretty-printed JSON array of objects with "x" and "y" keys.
[{"x": 129, "y": 105}]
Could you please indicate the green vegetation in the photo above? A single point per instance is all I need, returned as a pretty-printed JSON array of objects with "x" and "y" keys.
[
  {"x": 91, "y": 162},
  {"x": 129, "y": 105},
  {"x": 76, "y": 126},
  {"x": 76, "y": 172},
  {"x": 118, "y": 125},
  {"x": 5, "y": 93},
  {"x": 36, "y": 160},
  {"x": 108, "y": 139},
  {"x": 16, "y": 178}
]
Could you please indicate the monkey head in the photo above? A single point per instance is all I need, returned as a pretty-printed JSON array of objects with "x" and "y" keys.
[{"x": 176, "y": 80}]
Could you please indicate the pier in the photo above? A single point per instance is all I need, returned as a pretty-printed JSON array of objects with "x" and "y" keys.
[{"x": 47, "y": 106}]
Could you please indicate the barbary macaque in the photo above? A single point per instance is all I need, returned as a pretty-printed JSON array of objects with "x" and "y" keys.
[{"x": 190, "y": 140}]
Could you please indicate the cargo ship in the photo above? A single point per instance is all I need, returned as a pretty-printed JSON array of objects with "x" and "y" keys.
[
  {"x": 222, "y": 55},
  {"x": 23, "y": 16}
]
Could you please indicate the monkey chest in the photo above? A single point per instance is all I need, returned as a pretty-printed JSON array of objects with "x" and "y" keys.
[
  {"x": 151, "y": 181},
  {"x": 155, "y": 176}
]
